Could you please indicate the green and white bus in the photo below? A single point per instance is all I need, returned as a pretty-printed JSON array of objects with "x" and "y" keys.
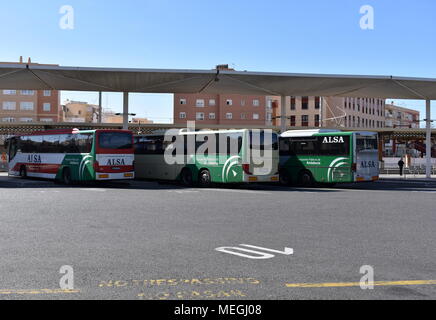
[
  {"x": 328, "y": 157},
  {"x": 221, "y": 165},
  {"x": 72, "y": 155}
]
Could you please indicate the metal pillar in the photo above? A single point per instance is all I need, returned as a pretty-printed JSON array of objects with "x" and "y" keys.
[
  {"x": 100, "y": 109},
  {"x": 283, "y": 114},
  {"x": 428, "y": 139},
  {"x": 125, "y": 110}
]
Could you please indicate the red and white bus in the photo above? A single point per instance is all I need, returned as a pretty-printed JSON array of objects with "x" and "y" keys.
[{"x": 72, "y": 155}]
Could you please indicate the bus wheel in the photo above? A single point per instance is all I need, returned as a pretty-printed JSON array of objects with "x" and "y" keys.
[
  {"x": 284, "y": 177},
  {"x": 23, "y": 172},
  {"x": 186, "y": 177},
  {"x": 306, "y": 179},
  {"x": 66, "y": 176},
  {"x": 204, "y": 178}
]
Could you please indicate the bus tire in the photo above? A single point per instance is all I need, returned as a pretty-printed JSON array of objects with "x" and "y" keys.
[
  {"x": 204, "y": 179},
  {"x": 66, "y": 176},
  {"x": 186, "y": 177},
  {"x": 305, "y": 179},
  {"x": 23, "y": 172},
  {"x": 284, "y": 177}
]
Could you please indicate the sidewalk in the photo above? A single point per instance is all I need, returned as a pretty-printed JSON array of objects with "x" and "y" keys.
[{"x": 408, "y": 177}]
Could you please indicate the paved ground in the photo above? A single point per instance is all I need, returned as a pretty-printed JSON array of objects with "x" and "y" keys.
[{"x": 147, "y": 240}]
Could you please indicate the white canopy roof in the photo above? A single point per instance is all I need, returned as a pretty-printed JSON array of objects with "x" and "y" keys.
[{"x": 39, "y": 77}]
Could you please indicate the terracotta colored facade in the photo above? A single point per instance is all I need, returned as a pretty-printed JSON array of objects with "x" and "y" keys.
[
  {"x": 29, "y": 105},
  {"x": 222, "y": 109}
]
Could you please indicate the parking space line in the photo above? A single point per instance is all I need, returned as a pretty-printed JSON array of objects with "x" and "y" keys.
[
  {"x": 357, "y": 284},
  {"x": 35, "y": 291}
]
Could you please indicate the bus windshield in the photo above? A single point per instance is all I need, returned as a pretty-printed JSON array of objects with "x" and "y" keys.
[
  {"x": 115, "y": 140},
  {"x": 366, "y": 143}
]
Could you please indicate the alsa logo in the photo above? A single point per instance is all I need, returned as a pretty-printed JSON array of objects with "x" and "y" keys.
[
  {"x": 34, "y": 158},
  {"x": 115, "y": 162},
  {"x": 333, "y": 140},
  {"x": 368, "y": 164}
]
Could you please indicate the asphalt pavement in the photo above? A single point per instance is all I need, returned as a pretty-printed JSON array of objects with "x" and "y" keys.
[{"x": 148, "y": 240}]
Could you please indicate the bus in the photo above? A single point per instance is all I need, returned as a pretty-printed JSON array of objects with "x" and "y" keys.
[
  {"x": 309, "y": 157},
  {"x": 74, "y": 155},
  {"x": 221, "y": 165}
]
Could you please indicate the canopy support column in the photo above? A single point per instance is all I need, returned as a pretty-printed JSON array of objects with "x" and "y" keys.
[
  {"x": 100, "y": 109},
  {"x": 428, "y": 139},
  {"x": 283, "y": 114},
  {"x": 125, "y": 110}
]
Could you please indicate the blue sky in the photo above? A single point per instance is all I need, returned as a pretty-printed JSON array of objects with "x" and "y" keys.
[{"x": 311, "y": 36}]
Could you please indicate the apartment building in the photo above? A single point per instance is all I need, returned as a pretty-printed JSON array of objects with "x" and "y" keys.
[
  {"x": 400, "y": 117},
  {"x": 79, "y": 111},
  {"x": 223, "y": 109},
  {"x": 29, "y": 105},
  {"x": 335, "y": 112}
]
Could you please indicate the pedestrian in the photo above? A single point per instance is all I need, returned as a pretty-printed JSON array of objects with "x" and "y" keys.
[{"x": 401, "y": 165}]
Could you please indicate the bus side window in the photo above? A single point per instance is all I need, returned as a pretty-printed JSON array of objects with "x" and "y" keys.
[
  {"x": 284, "y": 147},
  {"x": 12, "y": 148}
]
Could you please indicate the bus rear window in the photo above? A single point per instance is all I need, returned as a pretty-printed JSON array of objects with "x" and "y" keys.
[
  {"x": 115, "y": 140},
  {"x": 366, "y": 144},
  {"x": 259, "y": 143}
]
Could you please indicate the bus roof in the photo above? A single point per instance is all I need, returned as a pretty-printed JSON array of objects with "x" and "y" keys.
[
  {"x": 67, "y": 131},
  {"x": 306, "y": 133},
  {"x": 182, "y": 132}
]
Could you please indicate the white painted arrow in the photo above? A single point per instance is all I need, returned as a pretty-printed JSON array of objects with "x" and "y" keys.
[{"x": 287, "y": 251}]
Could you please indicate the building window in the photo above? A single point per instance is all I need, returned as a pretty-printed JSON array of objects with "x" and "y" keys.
[
  {"x": 199, "y": 103},
  {"x": 317, "y": 102},
  {"x": 269, "y": 104},
  {"x": 9, "y": 105},
  {"x": 47, "y": 93},
  {"x": 229, "y": 102},
  {"x": 27, "y": 92},
  {"x": 292, "y": 103},
  {"x": 182, "y": 115},
  {"x": 229, "y": 116},
  {"x": 199, "y": 116},
  {"x": 256, "y": 103},
  {"x": 182, "y": 101},
  {"x": 243, "y": 116},
  {"x": 10, "y": 92},
  {"x": 26, "y": 105},
  {"x": 26, "y": 119},
  {"x": 212, "y": 102},
  {"x": 317, "y": 120},
  {"x": 268, "y": 117},
  {"x": 304, "y": 103},
  {"x": 212, "y": 116},
  {"x": 255, "y": 116},
  {"x": 304, "y": 120},
  {"x": 8, "y": 119},
  {"x": 242, "y": 103},
  {"x": 46, "y": 120},
  {"x": 293, "y": 121},
  {"x": 46, "y": 107}
]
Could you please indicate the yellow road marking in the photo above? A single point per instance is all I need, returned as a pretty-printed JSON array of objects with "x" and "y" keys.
[
  {"x": 357, "y": 284},
  {"x": 36, "y": 291}
]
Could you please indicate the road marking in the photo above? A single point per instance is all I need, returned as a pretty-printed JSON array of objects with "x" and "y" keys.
[
  {"x": 35, "y": 291},
  {"x": 94, "y": 189},
  {"x": 357, "y": 284},
  {"x": 237, "y": 191},
  {"x": 257, "y": 254}
]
